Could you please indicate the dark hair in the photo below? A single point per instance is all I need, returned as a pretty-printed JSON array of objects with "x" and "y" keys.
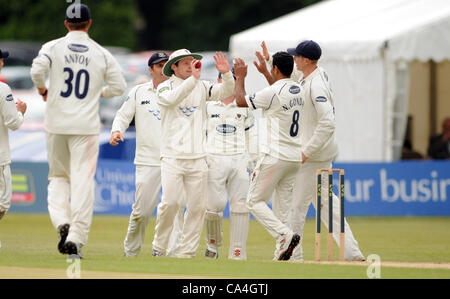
[
  {"x": 78, "y": 26},
  {"x": 284, "y": 62}
]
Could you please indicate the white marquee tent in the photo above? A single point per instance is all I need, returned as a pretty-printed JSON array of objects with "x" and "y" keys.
[{"x": 367, "y": 48}]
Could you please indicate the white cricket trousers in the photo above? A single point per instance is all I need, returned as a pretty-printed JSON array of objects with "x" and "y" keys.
[
  {"x": 72, "y": 163},
  {"x": 182, "y": 180},
  {"x": 148, "y": 185},
  {"x": 228, "y": 178},
  {"x": 271, "y": 175},
  {"x": 5, "y": 187},
  {"x": 304, "y": 194}
]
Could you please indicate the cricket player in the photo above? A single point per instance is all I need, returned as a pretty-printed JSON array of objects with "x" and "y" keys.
[
  {"x": 231, "y": 146},
  {"x": 11, "y": 117},
  {"x": 142, "y": 105},
  {"x": 282, "y": 110},
  {"x": 182, "y": 101},
  {"x": 320, "y": 148},
  {"x": 79, "y": 71}
]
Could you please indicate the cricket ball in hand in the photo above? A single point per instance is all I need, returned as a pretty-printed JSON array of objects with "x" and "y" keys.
[{"x": 198, "y": 64}]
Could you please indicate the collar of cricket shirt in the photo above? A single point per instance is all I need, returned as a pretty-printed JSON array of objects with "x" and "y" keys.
[
  {"x": 77, "y": 33},
  {"x": 282, "y": 81},
  {"x": 176, "y": 79},
  {"x": 313, "y": 74},
  {"x": 151, "y": 86}
]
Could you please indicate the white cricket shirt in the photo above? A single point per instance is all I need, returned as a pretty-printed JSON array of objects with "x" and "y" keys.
[
  {"x": 78, "y": 69},
  {"x": 183, "y": 114},
  {"x": 142, "y": 104},
  {"x": 318, "y": 121},
  {"x": 228, "y": 128},
  {"x": 282, "y": 109},
  {"x": 10, "y": 118}
]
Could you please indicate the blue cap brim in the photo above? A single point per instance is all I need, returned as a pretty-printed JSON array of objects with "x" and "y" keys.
[
  {"x": 158, "y": 61},
  {"x": 292, "y": 51}
]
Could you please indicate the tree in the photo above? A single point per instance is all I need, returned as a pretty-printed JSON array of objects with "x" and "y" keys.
[
  {"x": 114, "y": 21},
  {"x": 198, "y": 25},
  {"x": 207, "y": 25}
]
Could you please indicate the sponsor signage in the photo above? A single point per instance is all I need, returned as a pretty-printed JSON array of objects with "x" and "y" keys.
[
  {"x": 371, "y": 189},
  {"x": 23, "y": 191}
]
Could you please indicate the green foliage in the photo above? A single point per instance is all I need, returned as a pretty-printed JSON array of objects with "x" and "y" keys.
[
  {"x": 198, "y": 25},
  {"x": 207, "y": 25},
  {"x": 43, "y": 20}
]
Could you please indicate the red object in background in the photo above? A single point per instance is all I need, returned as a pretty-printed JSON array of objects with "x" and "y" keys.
[
  {"x": 3, "y": 79},
  {"x": 198, "y": 64},
  {"x": 22, "y": 197}
]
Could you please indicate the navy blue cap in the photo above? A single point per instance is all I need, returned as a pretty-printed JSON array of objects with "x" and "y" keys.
[
  {"x": 78, "y": 13},
  {"x": 157, "y": 58},
  {"x": 4, "y": 54},
  {"x": 308, "y": 49}
]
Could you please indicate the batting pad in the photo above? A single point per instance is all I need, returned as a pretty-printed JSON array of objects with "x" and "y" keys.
[
  {"x": 214, "y": 233},
  {"x": 239, "y": 224}
]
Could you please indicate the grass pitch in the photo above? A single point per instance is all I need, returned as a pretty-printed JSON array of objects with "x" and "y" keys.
[{"x": 413, "y": 247}]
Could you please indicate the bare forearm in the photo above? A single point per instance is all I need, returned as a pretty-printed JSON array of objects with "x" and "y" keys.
[
  {"x": 269, "y": 78},
  {"x": 240, "y": 92}
]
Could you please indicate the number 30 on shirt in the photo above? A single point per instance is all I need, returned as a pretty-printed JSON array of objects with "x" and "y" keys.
[{"x": 82, "y": 75}]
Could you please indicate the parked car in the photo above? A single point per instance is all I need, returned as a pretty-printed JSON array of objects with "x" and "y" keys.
[
  {"x": 18, "y": 78},
  {"x": 21, "y": 53}
]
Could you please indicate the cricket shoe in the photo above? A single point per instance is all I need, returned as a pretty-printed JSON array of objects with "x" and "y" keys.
[
  {"x": 73, "y": 250},
  {"x": 157, "y": 252},
  {"x": 63, "y": 231},
  {"x": 357, "y": 258},
  {"x": 286, "y": 246},
  {"x": 127, "y": 254},
  {"x": 211, "y": 254},
  {"x": 2, "y": 213},
  {"x": 237, "y": 254}
]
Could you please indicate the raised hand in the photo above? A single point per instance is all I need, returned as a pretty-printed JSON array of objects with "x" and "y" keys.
[
  {"x": 196, "y": 72},
  {"x": 265, "y": 52},
  {"x": 240, "y": 68},
  {"x": 261, "y": 66},
  {"x": 222, "y": 64},
  {"x": 240, "y": 71}
]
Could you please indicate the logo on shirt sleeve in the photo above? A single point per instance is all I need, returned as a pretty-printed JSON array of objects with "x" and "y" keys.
[
  {"x": 163, "y": 90},
  {"x": 321, "y": 99},
  {"x": 9, "y": 98}
]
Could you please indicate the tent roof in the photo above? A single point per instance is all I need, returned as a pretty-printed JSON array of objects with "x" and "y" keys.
[{"x": 359, "y": 29}]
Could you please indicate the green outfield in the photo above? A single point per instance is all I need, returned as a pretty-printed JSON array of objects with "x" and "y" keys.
[{"x": 412, "y": 247}]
